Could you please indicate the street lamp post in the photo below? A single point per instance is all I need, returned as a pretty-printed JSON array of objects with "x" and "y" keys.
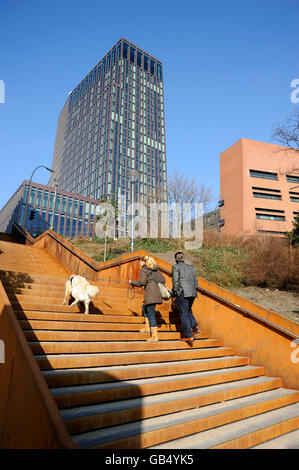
[
  {"x": 26, "y": 204},
  {"x": 133, "y": 177},
  {"x": 54, "y": 204}
]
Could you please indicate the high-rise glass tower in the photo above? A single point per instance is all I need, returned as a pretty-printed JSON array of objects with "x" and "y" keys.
[{"x": 114, "y": 122}]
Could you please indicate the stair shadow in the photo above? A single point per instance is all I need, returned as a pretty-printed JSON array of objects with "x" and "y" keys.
[
  {"x": 14, "y": 279},
  {"x": 104, "y": 420},
  {"x": 128, "y": 417},
  {"x": 17, "y": 281},
  {"x": 93, "y": 309},
  {"x": 135, "y": 314},
  {"x": 174, "y": 321}
]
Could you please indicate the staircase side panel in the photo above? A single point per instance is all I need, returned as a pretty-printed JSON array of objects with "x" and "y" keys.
[
  {"x": 265, "y": 345},
  {"x": 73, "y": 259}
]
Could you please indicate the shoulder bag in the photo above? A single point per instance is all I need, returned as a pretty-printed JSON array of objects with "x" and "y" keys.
[{"x": 164, "y": 291}]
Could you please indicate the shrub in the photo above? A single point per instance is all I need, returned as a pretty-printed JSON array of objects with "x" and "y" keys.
[
  {"x": 102, "y": 240},
  {"x": 272, "y": 264},
  {"x": 156, "y": 245},
  {"x": 233, "y": 261},
  {"x": 221, "y": 265},
  {"x": 293, "y": 236}
]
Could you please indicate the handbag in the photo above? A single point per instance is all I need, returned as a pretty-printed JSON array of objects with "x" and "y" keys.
[{"x": 164, "y": 291}]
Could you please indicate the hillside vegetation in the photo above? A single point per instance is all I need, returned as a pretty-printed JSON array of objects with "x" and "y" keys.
[{"x": 228, "y": 261}]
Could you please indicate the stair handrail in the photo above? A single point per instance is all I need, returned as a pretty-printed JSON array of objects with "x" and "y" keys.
[
  {"x": 23, "y": 232},
  {"x": 238, "y": 307}
]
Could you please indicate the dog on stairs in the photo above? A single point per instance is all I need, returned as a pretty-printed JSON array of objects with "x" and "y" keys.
[{"x": 79, "y": 288}]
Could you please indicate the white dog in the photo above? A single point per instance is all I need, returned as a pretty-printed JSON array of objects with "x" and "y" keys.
[{"x": 79, "y": 288}]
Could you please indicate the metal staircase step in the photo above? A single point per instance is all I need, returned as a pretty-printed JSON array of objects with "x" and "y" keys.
[
  {"x": 244, "y": 433},
  {"x": 86, "y": 418},
  {"x": 287, "y": 441},
  {"x": 98, "y": 393},
  {"x": 92, "y": 375},
  {"x": 66, "y": 361},
  {"x": 152, "y": 431}
]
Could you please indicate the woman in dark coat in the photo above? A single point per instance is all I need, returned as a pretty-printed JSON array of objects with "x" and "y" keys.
[{"x": 148, "y": 277}]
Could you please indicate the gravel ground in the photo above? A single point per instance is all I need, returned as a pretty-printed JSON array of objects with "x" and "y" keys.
[{"x": 284, "y": 303}]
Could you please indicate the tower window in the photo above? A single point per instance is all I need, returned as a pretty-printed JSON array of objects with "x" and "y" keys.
[
  {"x": 125, "y": 50},
  {"x": 132, "y": 54},
  {"x": 145, "y": 61},
  {"x": 263, "y": 174}
]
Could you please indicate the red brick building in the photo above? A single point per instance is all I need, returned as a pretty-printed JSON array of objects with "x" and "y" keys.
[{"x": 259, "y": 188}]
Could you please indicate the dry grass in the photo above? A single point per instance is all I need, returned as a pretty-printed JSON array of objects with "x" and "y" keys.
[
  {"x": 234, "y": 261},
  {"x": 273, "y": 263},
  {"x": 229, "y": 261},
  {"x": 95, "y": 247}
]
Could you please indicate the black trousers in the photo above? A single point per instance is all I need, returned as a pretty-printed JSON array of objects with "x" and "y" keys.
[{"x": 188, "y": 321}]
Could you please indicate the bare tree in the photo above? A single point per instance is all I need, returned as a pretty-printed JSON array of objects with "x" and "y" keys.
[
  {"x": 182, "y": 190},
  {"x": 184, "y": 193},
  {"x": 287, "y": 132}
]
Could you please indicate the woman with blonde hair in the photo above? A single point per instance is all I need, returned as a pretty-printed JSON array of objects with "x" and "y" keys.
[{"x": 149, "y": 277}]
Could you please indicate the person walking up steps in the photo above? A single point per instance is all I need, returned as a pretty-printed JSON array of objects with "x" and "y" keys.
[
  {"x": 184, "y": 283},
  {"x": 148, "y": 277}
]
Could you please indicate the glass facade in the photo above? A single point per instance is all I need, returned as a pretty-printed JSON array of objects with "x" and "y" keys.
[
  {"x": 112, "y": 122},
  {"x": 63, "y": 219}
]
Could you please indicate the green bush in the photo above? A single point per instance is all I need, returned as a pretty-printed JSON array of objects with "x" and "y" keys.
[
  {"x": 221, "y": 265},
  {"x": 155, "y": 245},
  {"x": 102, "y": 240},
  {"x": 109, "y": 256},
  {"x": 229, "y": 262},
  {"x": 293, "y": 236}
]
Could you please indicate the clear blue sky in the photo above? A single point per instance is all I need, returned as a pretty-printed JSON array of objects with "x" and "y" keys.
[{"x": 228, "y": 66}]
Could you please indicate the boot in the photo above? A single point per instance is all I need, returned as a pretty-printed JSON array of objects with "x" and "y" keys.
[
  {"x": 154, "y": 334},
  {"x": 196, "y": 331},
  {"x": 146, "y": 329}
]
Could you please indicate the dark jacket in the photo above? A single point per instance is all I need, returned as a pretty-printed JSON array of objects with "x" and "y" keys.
[
  {"x": 152, "y": 291},
  {"x": 184, "y": 278}
]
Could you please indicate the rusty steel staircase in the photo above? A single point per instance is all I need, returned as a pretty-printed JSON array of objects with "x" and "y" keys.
[{"x": 115, "y": 390}]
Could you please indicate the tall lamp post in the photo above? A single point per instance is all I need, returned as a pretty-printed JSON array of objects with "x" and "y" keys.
[
  {"x": 27, "y": 198},
  {"x": 133, "y": 177},
  {"x": 54, "y": 204}
]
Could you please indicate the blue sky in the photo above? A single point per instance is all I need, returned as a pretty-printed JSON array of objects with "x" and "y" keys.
[{"x": 228, "y": 66}]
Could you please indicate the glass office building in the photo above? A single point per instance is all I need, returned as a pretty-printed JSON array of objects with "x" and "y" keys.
[
  {"x": 111, "y": 123},
  {"x": 69, "y": 214}
]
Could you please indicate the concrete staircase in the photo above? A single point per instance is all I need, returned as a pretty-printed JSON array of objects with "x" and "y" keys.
[{"x": 116, "y": 390}]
